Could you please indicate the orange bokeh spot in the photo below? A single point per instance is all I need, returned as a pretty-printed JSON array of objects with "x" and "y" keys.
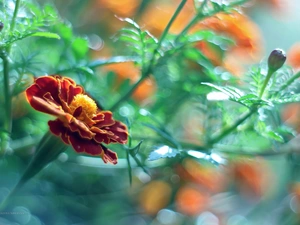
[
  {"x": 291, "y": 115},
  {"x": 252, "y": 177},
  {"x": 157, "y": 16},
  {"x": 191, "y": 201},
  {"x": 240, "y": 28},
  {"x": 206, "y": 176},
  {"x": 295, "y": 189},
  {"x": 126, "y": 8},
  {"x": 155, "y": 196},
  {"x": 128, "y": 70},
  {"x": 293, "y": 56}
]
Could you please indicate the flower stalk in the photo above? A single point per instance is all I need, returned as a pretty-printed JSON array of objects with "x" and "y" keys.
[
  {"x": 7, "y": 95},
  {"x": 275, "y": 62},
  {"x": 47, "y": 151},
  {"x": 227, "y": 130},
  {"x": 7, "y": 103}
]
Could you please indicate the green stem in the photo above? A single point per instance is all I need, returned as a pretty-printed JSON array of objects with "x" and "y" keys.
[
  {"x": 148, "y": 70},
  {"x": 262, "y": 90},
  {"x": 128, "y": 157},
  {"x": 129, "y": 167},
  {"x": 7, "y": 99},
  {"x": 289, "y": 82},
  {"x": 227, "y": 130},
  {"x": 127, "y": 94},
  {"x": 13, "y": 21},
  {"x": 7, "y": 95},
  {"x": 47, "y": 151}
]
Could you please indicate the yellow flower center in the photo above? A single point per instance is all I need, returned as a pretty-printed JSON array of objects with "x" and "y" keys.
[{"x": 89, "y": 106}]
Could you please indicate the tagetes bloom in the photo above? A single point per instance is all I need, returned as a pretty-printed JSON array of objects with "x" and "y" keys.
[{"x": 79, "y": 122}]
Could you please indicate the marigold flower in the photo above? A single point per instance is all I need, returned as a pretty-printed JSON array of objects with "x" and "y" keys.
[{"x": 79, "y": 122}]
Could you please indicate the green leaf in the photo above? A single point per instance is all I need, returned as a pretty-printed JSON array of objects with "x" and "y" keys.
[
  {"x": 275, "y": 136},
  {"x": 139, "y": 41},
  {"x": 130, "y": 21},
  {"x": 65, "y": 31},
  {"x": 163, "y": 152},
  {"x": 112, "y": 60},
  {"x": 80, "y": 47},
  {"x": 210, "y": 37},
  {"x": 111, "y": 79},
  {"x": 163, "y": 134},
  {"x": 46, "y": 34},
  {"x": 125, "y": 85},
  {"x": 287, "y": 99},
  {"x": 86, "y": 70},
  {"x": 134, "y": 151},
  {"x": 252, "y": 99},
  {"x": 231, "y": 92},
  {"x": 238, "y": 96}
]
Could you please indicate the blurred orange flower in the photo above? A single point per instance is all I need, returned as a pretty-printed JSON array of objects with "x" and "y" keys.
[
  {"x": 155, "y": 196},
  {"x": 19, "y": 105},
  {"x": 240, "y": 28},
  {"x": 191, "y": 201},
  {"x": 158, "y": 14},
  {"x": 79, "y": 122},
  {"x": 124, "y": 8},
  {"x": 128, "y": 70},
  {"x": 295, "y": 190},
  {"x": 277, "y": 5},
  {"x": 19, "y": 102},
  {"x": 207, "y": 176},
  {"x": 291, "y": 115},
  {"x": 293, "y": 56},
  {"x": 251, "y": 176}
]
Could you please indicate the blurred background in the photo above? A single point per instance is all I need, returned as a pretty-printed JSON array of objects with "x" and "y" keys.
[{"x": 201, "y": 188}]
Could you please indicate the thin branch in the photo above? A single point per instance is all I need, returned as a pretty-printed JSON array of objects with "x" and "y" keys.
[
  {"x": 7, "y": 98},
  {"x": 148, "y": 70}
]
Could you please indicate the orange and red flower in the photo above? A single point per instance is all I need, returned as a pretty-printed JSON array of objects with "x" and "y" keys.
[{"x": 79, "y": 122}]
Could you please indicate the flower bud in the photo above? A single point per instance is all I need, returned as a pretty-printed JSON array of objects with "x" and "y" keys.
[{"x": 276, "y": 59}]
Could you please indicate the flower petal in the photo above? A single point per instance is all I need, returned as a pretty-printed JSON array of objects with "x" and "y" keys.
[
  {"x": 120, "y": 132},
  {"x": 109, "y": 156},
  {"x": 57, "y": 128},
  {"x": 104, "y": 118},
  {"x": 83, "y": 145},
  {"x": 101, "y": 135},
  {"x": 68, "y": 89},
  {"x": 41, "y": 86},
  {"x": 80, "y": 127},
  {"x": 44, "y": 106}
]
